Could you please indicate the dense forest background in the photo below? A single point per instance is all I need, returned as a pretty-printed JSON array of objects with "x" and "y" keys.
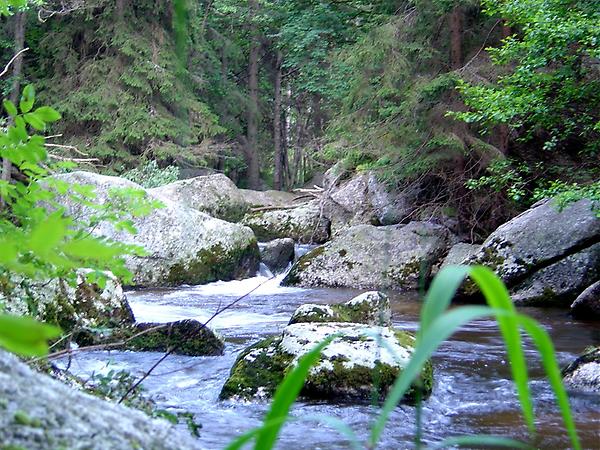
[{"x": 475, "y": 108}]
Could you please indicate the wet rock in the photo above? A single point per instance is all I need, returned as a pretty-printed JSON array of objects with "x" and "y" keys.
[
  {"x": 39, "y": 413},
  {"x": 368, "y": 257},
  {"x": 459, "y": 252},
  {"x": 184, "y": 337},
  {"x": 371, "y": 308},
  {"x": 350, "y": 369},
  {"x": 545, "y": 256},
  {"x": 80, "y": 304},
  {"x": 277, "y": 254},
  {"x": 215, "y": 195},
  {"x": 587, "y": 304},
  {"x": 305, "y": 224},
  {"x": 583, "y": 374},
  {"x": 183, "y": 245}
]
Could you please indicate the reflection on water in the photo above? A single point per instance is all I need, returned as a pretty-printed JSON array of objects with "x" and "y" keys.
[{"x": 473, "y": 393}]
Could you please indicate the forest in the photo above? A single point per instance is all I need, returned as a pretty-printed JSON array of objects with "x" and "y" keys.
[{"x": 299, "y": 224}]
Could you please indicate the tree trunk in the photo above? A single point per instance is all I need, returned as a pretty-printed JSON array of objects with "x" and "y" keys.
[
  {"x": 252, "y": 160},
  {"x": 456, "y": 29},
  {"x": 504, "y": 132},
  {"x": 278, "y": 179},
  {"x": 17, "y": 69}
]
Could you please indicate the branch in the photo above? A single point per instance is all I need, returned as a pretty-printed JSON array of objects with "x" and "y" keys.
[{"x": 12, "y": 60}]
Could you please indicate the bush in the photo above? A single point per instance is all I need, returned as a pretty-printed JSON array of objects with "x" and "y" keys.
[{"x": 149, "y": 175}]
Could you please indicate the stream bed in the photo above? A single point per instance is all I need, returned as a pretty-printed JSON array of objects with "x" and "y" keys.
[{"x": 473, "y": 392}]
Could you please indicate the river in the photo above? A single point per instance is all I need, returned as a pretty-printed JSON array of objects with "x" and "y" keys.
[{"x": 473, "y": 393}]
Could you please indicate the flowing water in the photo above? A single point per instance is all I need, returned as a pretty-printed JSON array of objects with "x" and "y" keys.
[{"x": 472, "y": 394}]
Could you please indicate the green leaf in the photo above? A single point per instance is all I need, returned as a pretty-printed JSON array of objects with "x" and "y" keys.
[
  {"x": 33, "y": 120},
  {"x": 27, "y": 98},
  {"x": 480, "y": 441},
  {"x": 10, "y": 108},
  {"x": 25, "y": 336},
  {"x": 48, "y": 234},
  {"x": 47, "y": 114},
  {"x": 286, "y": 394}
]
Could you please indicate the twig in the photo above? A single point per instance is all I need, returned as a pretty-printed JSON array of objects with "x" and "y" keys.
[{"x": 12, "y": 60}]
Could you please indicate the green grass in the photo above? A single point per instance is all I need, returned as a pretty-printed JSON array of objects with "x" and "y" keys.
[{"x": 438, "y": 323}]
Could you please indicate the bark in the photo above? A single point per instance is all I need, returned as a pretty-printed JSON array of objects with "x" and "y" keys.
[
  {"x": 456, "y": 30},
  {"x": 251, "y": 153},
  {"x": 17, "y": 69},
  {"x": 278, "y": 179}
]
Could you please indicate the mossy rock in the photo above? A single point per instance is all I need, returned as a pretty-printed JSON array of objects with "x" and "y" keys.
[
  {"x": 370, "y": 308},
  {"x": 355, "y": 367},
  {"x": 583, "y": 374}
]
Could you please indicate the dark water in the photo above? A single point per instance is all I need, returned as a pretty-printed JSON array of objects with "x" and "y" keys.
[{"x": 473, "y": 393}]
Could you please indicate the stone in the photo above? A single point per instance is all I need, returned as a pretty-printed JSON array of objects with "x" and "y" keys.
[
  {"x": 82, "y": 304},
  {"x": 183, "y": 246},
  {"x": 262, "y": 199},
  {"x": 369, "y": 257},
  {"x": 305, "y": 224},
  {"x": 39, "y": 413},
  {"x": 364, "y": 360},
  {"x": 215, "y": 195},
  {"x": 561, "y": 282},
  {"x": 583, "y": 374},
  {"x": 458, "y": 253},
  {"x": 370, "y": 308},
  {"x": 277, "y": 254},
  {"x": 587, "y": 305}
]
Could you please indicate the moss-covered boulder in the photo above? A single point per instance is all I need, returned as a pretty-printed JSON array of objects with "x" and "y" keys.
[
  {"x": 355, "y": 367},
  {"x": 69, "y": 304},
  {"x": 545, "y": 256},
  {"x": 305, "y": 224},
  {"x": 583, "y": 374},
  {"x": 277, "y": 254},
  {"x": 369, "y": 257},
  {"x": 215, "y": 195},
  {"x": 370, "y": 308},
  {"x": 587, "y": 305},
  {"x": 183, "y": 245}
]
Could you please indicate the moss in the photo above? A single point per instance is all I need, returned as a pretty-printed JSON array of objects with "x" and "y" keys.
[
  {"x": 22, "y": 418},
  {"x": 216, "y": 263},
  {"x": 342, "y": 253},
  {"x": 293, "y": 277},
  {"x": 265, "y": 372}
]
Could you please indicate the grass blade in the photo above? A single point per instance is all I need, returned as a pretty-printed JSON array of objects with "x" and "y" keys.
[
  {"x": 286, "y": 394},
  {"x": 480, "y": 441}
]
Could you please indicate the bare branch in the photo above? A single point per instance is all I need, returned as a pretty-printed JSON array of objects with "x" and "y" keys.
[{"x": 12, "y": 60}]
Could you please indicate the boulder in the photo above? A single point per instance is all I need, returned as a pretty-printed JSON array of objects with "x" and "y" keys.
[
  {"x": 363, "y": 361},
  {"x": 561, "y": 282},
  {"x": 583, "y": 374},
  {"x": 183, "y": 245},
  {"x": 587, "y": 304},
  {"x": 458, "y": 253},
  {"x": 305, "y": 224},
  {"x": 80, "y": 304},
  {"x": 277, "y": 254},
  {"x": 371, "y": 308},
  {"x": 183, "y": 337},
  {"x": 368, "y": 257},
  {"x": 544, "y": 255},
  {"x": 215, "y": 195},
  {"x": 262, "y": 199},
  {"x": 39, "y": 413}
]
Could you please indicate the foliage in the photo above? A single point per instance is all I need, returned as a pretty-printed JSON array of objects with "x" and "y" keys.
[
  {"x": 149, "y": 175},
  {"x": 437, "y": 323},
  {"x": 553, "y": 86}
]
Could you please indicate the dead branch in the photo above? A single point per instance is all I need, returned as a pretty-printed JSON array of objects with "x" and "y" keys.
[{"x": 12, "y": 60}]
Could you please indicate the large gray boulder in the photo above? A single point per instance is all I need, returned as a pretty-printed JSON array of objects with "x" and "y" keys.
[
  {"x": 587, "y": 305},
  {"x": 267, "y": 199},
  {"x": 370, "y": 308},
  {"x": 39, "y": 413},
  {"x": 583, "y": 374},
  {"x": 69, "y": 305},
  {"x": 183, "y": 245},
  {"x": 305, "y": 224},
  {"x": 369, "y": 257},
  {"x": 544, "y": 255},
  {"x": 364, "y": 360},
  {"x": 277, "y": 254},
  {"x": 215, "y": 195}
]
